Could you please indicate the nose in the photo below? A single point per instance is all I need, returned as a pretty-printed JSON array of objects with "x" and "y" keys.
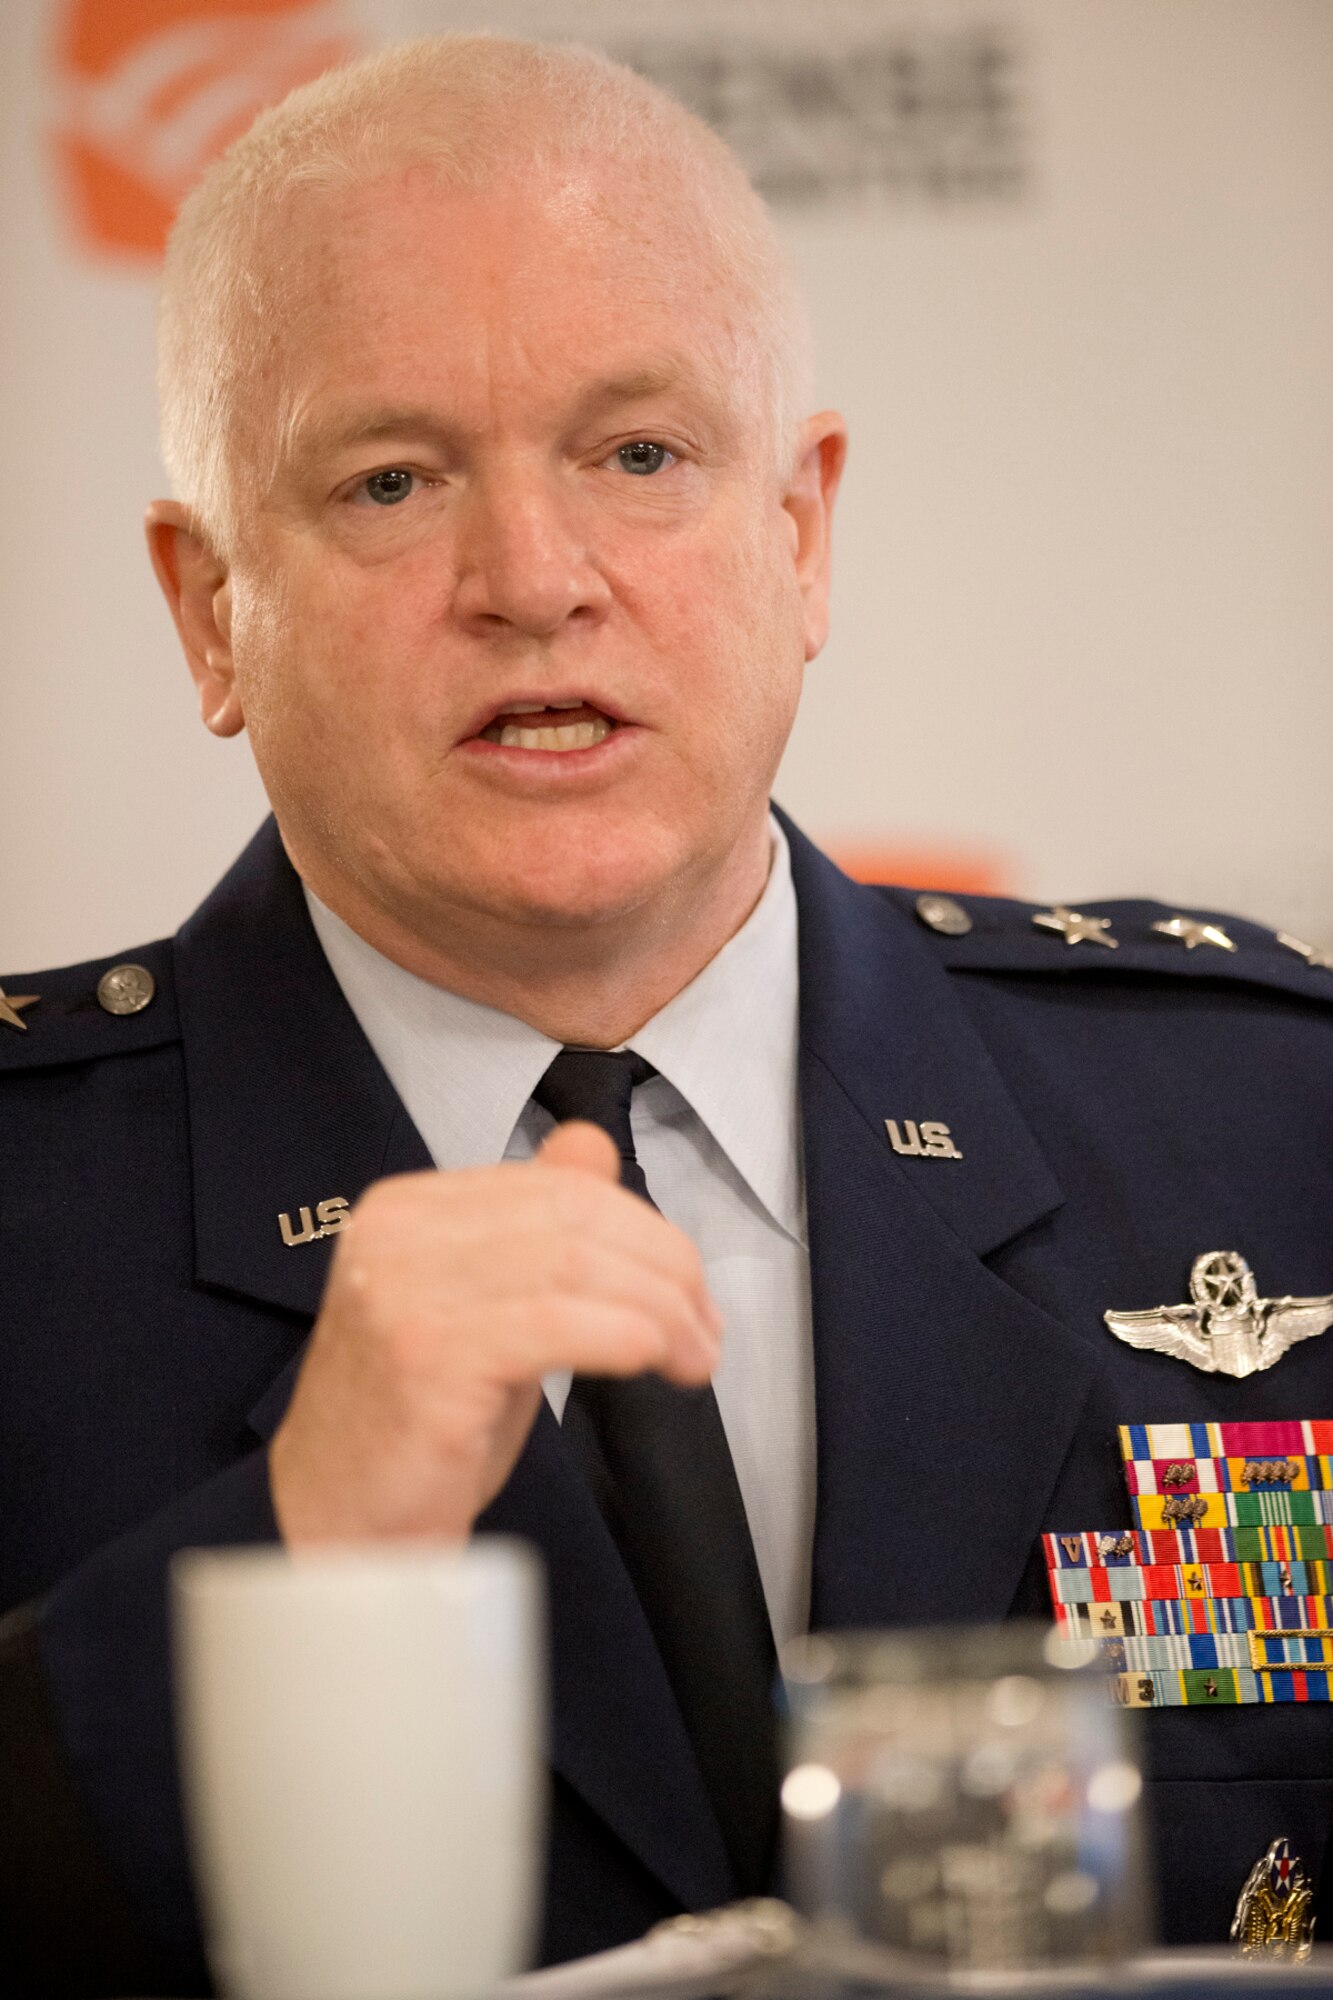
[{"x": 523, "y": 560}]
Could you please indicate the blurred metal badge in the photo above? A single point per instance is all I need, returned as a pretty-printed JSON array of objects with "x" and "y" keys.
[
  {"x": 1274, "y": 1917},
  {"x": 1193, "y": 931},
  {"x": 943, "y": 914},
  {"x": 1229, "y": 1329},
  {"x": 126, "y": 989},
  {"x": 1074, "y": 927},
  {"x": 1318, "y": 959}
]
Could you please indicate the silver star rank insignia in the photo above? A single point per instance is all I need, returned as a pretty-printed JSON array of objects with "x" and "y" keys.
[
  {"x": 1074, "y": 927},
  {"x": 1192, "y": 931},
  {"x": 10, "y": 1005},
  {"x": 1319, "y": 961}
]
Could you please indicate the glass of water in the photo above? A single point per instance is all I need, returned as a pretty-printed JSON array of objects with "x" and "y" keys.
[{"x": 968, "y": 1797}]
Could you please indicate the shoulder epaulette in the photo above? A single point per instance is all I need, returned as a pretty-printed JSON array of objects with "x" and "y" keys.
[
  {"x": 82, "y": 1013},
  {"x": 994, "y": 934}
]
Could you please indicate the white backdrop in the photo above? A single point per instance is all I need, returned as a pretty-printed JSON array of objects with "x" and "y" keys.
[{"x": 1080, "y": 315}]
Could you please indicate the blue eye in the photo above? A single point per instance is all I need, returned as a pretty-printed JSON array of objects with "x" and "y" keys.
[
  {"x": 642, "y": 457},
  {"x": 386, "y": 489}
]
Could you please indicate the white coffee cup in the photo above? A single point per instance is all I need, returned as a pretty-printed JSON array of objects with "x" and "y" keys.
[{"x": 361, "y": 1747}]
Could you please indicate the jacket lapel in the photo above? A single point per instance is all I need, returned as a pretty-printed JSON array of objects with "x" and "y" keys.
[
  {"x": 945, "y": 1402},
  {"x": 288, "y": 1107}
]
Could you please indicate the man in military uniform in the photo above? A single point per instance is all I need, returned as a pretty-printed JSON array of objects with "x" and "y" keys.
[{"x": 500, "y": 529}]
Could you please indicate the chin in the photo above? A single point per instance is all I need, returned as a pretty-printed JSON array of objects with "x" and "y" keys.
[{"x": 567, "y": 883}]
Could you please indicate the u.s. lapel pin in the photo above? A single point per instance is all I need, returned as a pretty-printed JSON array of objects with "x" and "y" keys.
[
  {"x": 929, "y": 1140},
  {"x": 327, "y": 1219}
]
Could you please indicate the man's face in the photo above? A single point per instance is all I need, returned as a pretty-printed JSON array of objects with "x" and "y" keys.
[{"x": 517, "y": 610}]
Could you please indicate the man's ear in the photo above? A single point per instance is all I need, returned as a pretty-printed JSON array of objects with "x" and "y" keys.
[
  {"x": 197, "y": 586},
  {"x": 809, "y": 499}
]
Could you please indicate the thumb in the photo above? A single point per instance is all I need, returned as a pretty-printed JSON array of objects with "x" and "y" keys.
[{"x": 584, "y": 1146}]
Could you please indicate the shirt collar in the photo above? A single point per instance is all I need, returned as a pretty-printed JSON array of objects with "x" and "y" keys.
[
  {"x": 463, "y": 1070},
  {"x": 727, "y": 1043}
]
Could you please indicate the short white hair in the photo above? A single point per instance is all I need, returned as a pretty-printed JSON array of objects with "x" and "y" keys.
[{"x": 453, "y": 104}]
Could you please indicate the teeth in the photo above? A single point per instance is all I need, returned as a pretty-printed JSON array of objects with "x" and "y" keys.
[
  {"x": 566, "y": 736},
  {"x": 536, "y": 707}
]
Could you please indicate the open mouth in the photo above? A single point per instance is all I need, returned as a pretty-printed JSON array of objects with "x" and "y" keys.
[{"x": 556, "y": 725}]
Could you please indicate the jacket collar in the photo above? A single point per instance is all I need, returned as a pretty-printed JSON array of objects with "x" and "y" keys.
[
  {"x": 881, "y": 1015},
  {"x": 289, "y": 1105}
]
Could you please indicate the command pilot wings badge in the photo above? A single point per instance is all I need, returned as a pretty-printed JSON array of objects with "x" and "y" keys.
[{"x": 1229, "y": 1329}]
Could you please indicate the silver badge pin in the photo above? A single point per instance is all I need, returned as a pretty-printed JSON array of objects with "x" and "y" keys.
[
  {"x": 1074, "y": 927},
  {"x": 126, "y": 989},
  {"x": 943, "y": 914},
  {"x": 1193, "y": 931},
  {"x": 1229, "y": 1329}
]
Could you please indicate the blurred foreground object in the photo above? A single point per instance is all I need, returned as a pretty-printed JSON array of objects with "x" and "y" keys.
[
  {"x": 762, "y": 1950},
  {"x": 967, "y": 1797},
  {"x": 361, "y": 1744}
]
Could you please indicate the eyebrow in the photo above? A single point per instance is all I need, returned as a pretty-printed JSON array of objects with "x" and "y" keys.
[
  {"x": 322, "y": 437},
  {"x": 637, "y": 387}
]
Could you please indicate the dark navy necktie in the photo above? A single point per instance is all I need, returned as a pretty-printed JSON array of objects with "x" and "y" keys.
[{"x": 657, "y": 1459}]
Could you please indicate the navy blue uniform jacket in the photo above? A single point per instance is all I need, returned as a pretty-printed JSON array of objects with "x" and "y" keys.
[{"x": 1117, "y": 1113}]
